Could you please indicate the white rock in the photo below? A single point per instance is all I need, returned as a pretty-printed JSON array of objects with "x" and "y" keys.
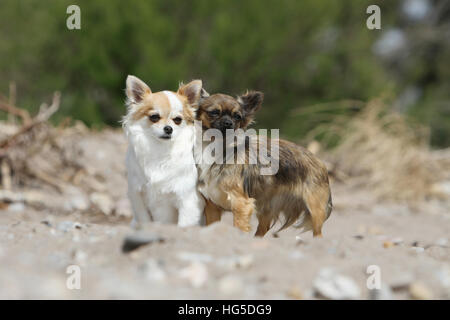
[
  {"x": 194, "y": 257},
  {"x": 16, "y": 207},
  {"x": 153, "y": 271},
  {"x": 442, "y": 242},
  {"x": 103, "y": 202},
  {"x": 330, "y": 285},
  {"x": 77, "y": 200},
  {"x": 123, "y": 208},
  {"x": 229, "y": 285},
  {"x": 296, "y": 255},
  {"x": 196, "y": 273}
]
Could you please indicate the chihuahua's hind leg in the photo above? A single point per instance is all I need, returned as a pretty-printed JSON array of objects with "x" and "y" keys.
[
  {"x": 318, "y": 212},
  {"x": 264, "y": 224},
  {"x": 213, "y": 213}
]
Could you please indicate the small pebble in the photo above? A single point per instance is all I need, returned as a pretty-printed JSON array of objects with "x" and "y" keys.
[
  {"x": 417, "y": 249},
  {"x": 196, "y": 273},
  {"x": 388, "y": 244},
  {"x": 47, "y": 223},
  {"x": 397, "y": 241},
  {"x": 66, "y": 226},
  {"x": 230, "y": 285},
  {"x": 295, "y": 293},
  {"x": 418, "y": 291},
  {"x": 299, "y": 240},
  {"x": 236, "y": 262}
]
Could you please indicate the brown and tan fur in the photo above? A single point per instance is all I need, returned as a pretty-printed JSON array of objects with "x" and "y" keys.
[
  {"x": 299, "y": 191},
  {"x": 159, "y": 99}
]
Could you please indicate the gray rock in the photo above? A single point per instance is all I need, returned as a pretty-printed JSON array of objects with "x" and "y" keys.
[
  {"x": 153, "y": 271},
  {"x": 443, "y": 276},
  {"x": 384, "y": 293},
  {"x": 16, "y": 207},
  {"x": 331, "y": 285},
  {"x": 139, "y": 239}
]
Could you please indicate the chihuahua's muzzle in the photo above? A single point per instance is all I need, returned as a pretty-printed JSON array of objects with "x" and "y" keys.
[{"x": 167, "y": 133}]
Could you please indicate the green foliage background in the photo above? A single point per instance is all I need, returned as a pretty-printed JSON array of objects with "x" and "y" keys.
[{"x": 313, "y": 59}]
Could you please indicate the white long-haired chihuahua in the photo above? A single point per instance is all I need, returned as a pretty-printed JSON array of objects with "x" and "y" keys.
[{"x": 162, "y": 176}]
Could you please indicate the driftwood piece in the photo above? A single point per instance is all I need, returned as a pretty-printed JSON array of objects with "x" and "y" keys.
[
  {"x": 31, "y": 197},
  {"x": 5, "y": 170},
  {"x": 44, "y": 114},
  {"x": 10, "y": 109}
]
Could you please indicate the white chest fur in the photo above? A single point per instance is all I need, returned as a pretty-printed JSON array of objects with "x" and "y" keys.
[{"x": 162, "y": 178}]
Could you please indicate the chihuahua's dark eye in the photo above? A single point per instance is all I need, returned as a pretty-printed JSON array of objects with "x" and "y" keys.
[
  {"x": 214, "y": 113},
  {"x": 237, "y": 116},
  {"x": 177, "y": 120},
  {"x": 154, "y": 118}
]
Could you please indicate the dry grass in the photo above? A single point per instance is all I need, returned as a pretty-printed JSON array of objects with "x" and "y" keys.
[{"x": 384, "y": 152}]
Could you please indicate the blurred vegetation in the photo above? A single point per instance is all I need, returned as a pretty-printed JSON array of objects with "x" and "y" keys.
[{"x": 313, "y": 59}]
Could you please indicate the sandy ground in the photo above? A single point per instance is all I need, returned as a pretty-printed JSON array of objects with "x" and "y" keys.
[
  {"x": 410, "y": 246},
  {"x": 408, "y": 243}
]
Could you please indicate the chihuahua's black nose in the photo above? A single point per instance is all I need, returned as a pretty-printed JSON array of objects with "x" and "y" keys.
[
  {"x": 168, "y": 129},
  {"x": 228, "y": 124}
]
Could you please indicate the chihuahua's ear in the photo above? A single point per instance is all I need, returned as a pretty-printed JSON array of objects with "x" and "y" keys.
[
  {"x": 204, "y": 93},
  {"x": 136, "y": 90},
  {"x": 192, "y": 91},
  {"x": 251, "y": 101}
]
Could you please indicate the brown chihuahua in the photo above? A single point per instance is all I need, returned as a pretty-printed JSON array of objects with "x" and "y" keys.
[{"x": 299, "y": 190}]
